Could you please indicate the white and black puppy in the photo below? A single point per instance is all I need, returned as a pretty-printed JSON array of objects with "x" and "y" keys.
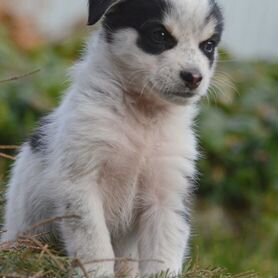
[{"x": 119, "y": 151}]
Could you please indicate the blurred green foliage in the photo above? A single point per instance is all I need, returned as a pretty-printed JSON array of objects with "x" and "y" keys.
[
  {"x": 238, "y": 184},
  {"x": 239, "y": 136},
  {"x": 236, "y": 224}
]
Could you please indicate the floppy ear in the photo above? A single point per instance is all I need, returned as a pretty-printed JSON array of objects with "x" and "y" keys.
[{"x": 97, "y": 8}]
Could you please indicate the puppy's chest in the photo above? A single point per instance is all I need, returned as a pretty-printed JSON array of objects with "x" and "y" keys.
[
  {"x": 119, "y": 181},
  {"x": 131, "y": 170}
]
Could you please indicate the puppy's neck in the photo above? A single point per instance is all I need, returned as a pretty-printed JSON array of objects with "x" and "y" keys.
[{"x": 145, "y": 108}]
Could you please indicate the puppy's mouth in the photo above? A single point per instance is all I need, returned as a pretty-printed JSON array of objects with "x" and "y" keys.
[
  {"x": 179, "y": 97},
  {"x": 180, "y": 94},
  {"x": 176, "y": 95},
  {"x": 183, "y": 94}
]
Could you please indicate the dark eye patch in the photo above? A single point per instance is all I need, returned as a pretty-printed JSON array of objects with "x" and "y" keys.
[
  {"x": 144, "y": 16},
  {"x": 208, "y": 47},
  {"x": 155, "y": 39}
]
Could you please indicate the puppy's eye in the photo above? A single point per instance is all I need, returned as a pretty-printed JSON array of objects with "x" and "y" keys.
[
  {"x": 154, "y": 38},
  {"x": 159, "y": 35},
  {"x": 208, "y": 47}
]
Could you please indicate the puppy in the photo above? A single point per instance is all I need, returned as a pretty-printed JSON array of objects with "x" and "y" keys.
[{"x": 119, "y": 152}]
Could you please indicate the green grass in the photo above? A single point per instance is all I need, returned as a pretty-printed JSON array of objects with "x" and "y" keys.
[
  {"x": 29, "y": 258},
  {"x": 236, "y": 243}
]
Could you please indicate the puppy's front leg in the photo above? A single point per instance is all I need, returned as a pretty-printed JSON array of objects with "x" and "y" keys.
[
  {"x": 163, "y": 240},
  {"x": 87, "y": 237}
]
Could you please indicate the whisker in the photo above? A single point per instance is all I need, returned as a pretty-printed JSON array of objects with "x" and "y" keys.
[
  {"x": 212, "y": 92},
  {"x": 224, "y": 84}
]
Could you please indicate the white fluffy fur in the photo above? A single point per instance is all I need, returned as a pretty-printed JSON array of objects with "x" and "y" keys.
[{"x": 118, "y": 153}]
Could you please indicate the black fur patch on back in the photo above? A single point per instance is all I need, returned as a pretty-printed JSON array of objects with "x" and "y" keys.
[
  {"x": 137, "y": 14},
  {"x": 37, "y": 140}
]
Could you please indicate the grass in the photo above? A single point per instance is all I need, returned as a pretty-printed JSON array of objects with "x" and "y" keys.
[
  {"x": 239, "y": 242},
  {"x": 27, "y": 257}
]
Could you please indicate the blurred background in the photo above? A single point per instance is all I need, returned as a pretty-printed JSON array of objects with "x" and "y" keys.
[{"x": 235, "y": 224}]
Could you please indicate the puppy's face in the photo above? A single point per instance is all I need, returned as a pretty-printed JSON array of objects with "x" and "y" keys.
[{"x": 164, "y": 47}]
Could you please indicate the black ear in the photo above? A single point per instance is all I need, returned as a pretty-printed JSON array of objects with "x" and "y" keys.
[{"x": 97, "y": 8}]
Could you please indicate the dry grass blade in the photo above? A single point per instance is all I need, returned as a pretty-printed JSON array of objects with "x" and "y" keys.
[
  {"x": 77, "y": 263},
  {"x": 16, "y": 245},
  {"x": 14, "y": 78},
  {"x": 49, "y": 253},
  {"x": 249, "y": 274},
  {"x": 3, "y": 155},
  {"x": 124, "y": 260},
  {"x": 8, "y": 147},
  {"x": 14, "y": 275},
  {"x": 7, "y": 245}
]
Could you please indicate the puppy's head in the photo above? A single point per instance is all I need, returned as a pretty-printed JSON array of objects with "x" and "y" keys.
[{"x": 163, "y": 47}]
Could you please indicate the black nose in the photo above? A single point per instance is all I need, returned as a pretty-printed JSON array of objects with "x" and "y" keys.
[{"x": 192, "y": 79}]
